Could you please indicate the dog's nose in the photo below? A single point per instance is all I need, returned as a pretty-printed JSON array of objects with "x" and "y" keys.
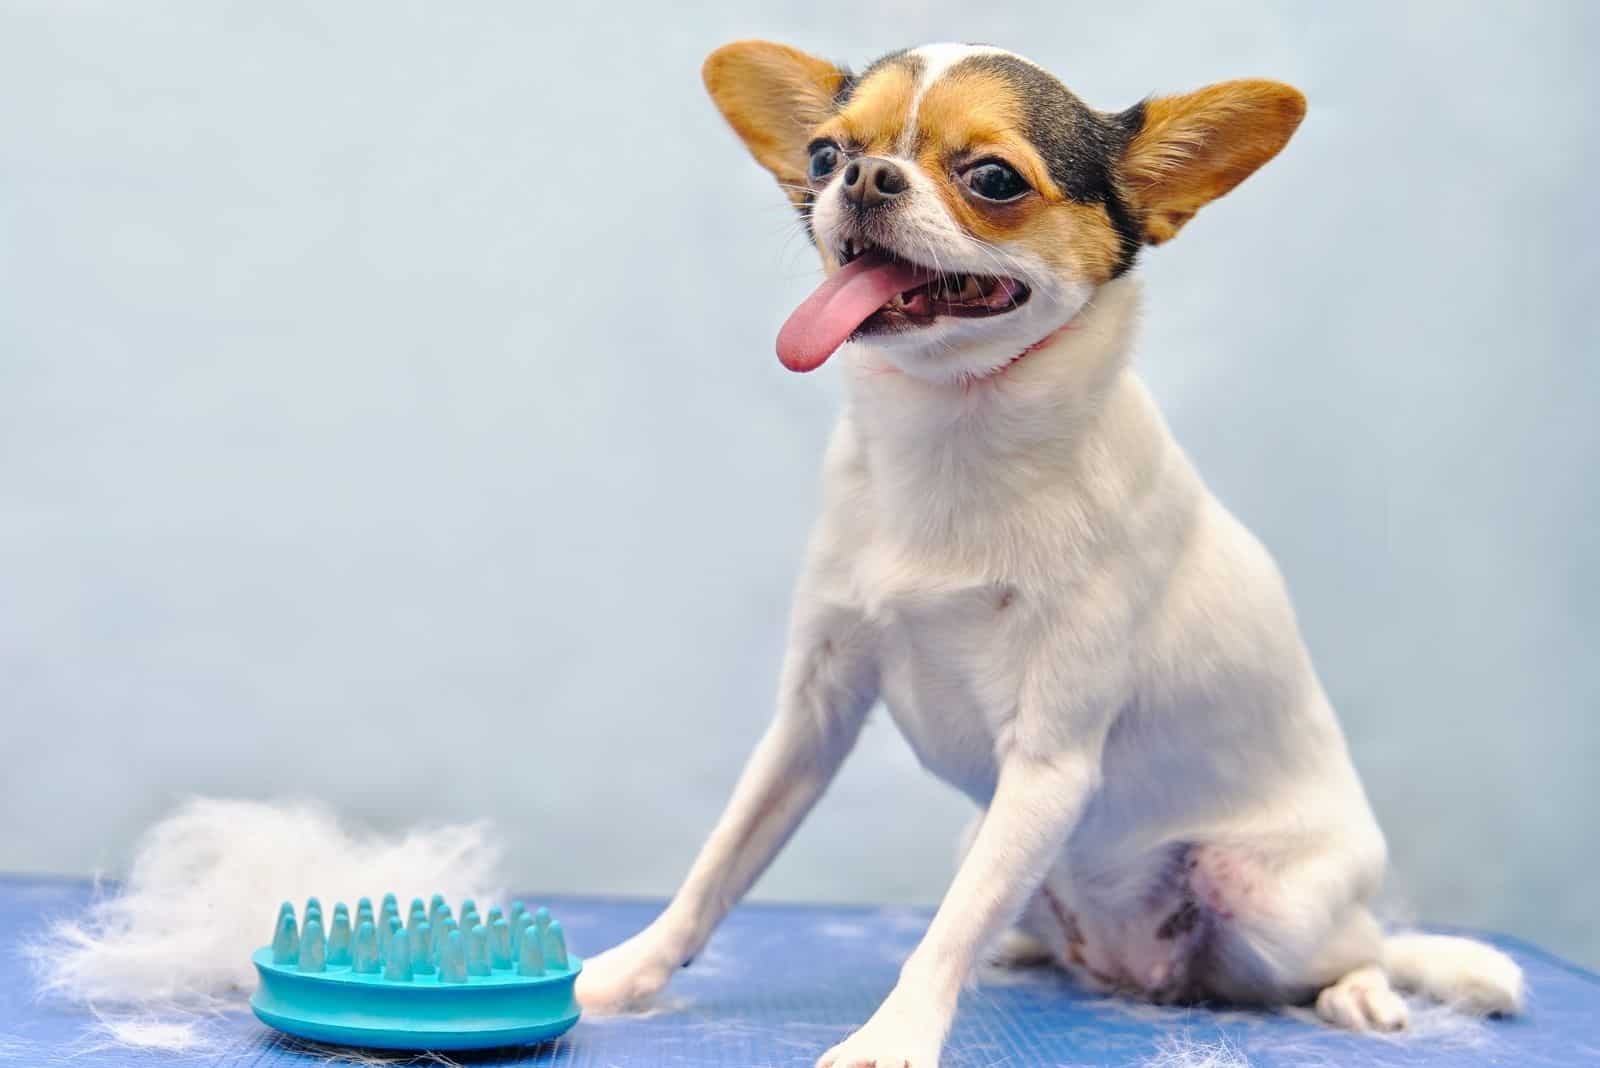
[{"x": 870, "y": 181}]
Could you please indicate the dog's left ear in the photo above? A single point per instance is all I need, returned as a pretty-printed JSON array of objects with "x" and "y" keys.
[
  {"x": 1191, "y": 149},
  {"x": 773, "y": 96}
]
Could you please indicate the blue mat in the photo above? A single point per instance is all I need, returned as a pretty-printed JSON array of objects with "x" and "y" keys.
[{"x": 779, "y": 984}]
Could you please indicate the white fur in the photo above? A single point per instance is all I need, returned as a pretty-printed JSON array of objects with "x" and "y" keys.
[
  {"x": 1020, "y": 561},
  {"x": 935, "y": 60},
  {"x": 1459, "y": 972},
  {"x": 203, "y": 893}
]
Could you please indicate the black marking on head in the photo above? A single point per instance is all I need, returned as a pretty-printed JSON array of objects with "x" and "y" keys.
[
  {"x": 847, "y": 85},
  {"x": 1080, "y": 146}
]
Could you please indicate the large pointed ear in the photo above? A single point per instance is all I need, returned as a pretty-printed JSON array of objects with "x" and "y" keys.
[
  {"x": 1192, "y": 149},
  {"x": 773, "y": 96}
]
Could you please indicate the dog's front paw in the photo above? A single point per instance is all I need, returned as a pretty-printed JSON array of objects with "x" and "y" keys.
[
  {"x": 897, "y": 1036},
  {"x": 625, "y": 978}
]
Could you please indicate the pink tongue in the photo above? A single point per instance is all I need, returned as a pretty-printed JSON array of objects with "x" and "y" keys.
[{"x": 827, "y": 318}]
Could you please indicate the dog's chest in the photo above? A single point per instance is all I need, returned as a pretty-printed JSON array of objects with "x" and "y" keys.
[{"x": 949, "y": 668}]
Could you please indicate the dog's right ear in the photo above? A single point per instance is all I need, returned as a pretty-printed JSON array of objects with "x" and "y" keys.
[{"x": 773, "y": 96}]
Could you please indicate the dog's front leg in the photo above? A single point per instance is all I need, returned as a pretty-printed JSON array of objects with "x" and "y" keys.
[
  {"x": 829, "y": 682},
  {"x": 1036, "y": 803}
]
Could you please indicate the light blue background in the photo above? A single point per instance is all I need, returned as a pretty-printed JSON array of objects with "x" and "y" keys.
[{"x": 388, "y": 414}]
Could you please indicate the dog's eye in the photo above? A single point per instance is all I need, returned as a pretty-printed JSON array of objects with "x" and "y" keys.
[
  {"x": 993, "y": 180},
  {"x": 824, "y": 159}
]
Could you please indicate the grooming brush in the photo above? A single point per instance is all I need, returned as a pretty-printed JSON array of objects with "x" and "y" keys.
[{"x": 432, "y": 982}]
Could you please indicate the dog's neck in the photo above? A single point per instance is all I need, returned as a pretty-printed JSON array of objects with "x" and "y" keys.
[{"x": 970, "y": 465}]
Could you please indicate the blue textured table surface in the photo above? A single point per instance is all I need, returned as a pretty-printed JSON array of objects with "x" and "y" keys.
[{"x": 779, "y": 984}]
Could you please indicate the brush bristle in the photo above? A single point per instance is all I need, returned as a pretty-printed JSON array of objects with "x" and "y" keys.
[{"x": 431, "y": 942}]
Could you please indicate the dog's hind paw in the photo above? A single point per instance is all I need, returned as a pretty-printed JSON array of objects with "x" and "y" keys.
[{"x": 1363, "y": 1001}]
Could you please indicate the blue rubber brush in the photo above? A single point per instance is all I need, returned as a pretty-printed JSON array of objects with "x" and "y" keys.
[{"x": 432, "y": 982}]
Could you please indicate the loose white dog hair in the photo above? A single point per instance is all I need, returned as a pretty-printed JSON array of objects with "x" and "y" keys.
[{"x": 176, "y": 936}]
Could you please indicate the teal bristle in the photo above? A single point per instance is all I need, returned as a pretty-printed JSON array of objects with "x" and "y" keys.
[
  {"x": 530, "y": 958},
  {"x": 286, "y": 941},
  {"x": 447, "y": 925},
  {"x": 453, "y": 959},
  {"x": 364, "y": 954},
  {"x": 478, "y": 950},
  {"x": 421, "y": 946},
  {"x": 397, "y": 966},
  {"x": 530, "y": 931},
  {"x": 313, "y": 950},
  {"x": 500, "y": 944},
  {"x": 339, "y": 936},
  {"x": 554, "y": 944},
  {"x": 471, "y": 982}
]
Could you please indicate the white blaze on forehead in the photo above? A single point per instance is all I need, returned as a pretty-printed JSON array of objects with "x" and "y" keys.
[{"x": 935, "y": 60}]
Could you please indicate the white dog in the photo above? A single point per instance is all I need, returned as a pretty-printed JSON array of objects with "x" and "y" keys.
[{"x": 1019, "y": 560}]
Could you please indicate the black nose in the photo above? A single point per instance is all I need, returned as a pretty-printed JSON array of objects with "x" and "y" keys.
[{"x": 870, "y": 180}]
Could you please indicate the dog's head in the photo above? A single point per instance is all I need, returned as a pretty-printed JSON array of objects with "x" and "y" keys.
[{"x": 965, "y": 203}]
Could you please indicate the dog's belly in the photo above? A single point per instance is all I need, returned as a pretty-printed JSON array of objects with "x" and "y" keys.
[{"x": 945, "y": 679}]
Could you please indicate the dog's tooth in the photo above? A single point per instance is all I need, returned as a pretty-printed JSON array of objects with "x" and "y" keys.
[
  {"x": 478, "y": 950},
  {"x": 286, "y": 941},
  {"x": 364, "y": 950},
  {"x": 397, "y": 959},
  {"x": 971, "y": 290}
]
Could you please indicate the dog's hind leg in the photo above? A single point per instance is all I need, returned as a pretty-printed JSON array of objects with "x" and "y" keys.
[{"x": 1296, "y": 929}]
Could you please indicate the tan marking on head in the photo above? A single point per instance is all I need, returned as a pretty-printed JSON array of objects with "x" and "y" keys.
[
  {"x": 1194, "y": 148},
  {"x": 876, "y": 112},
  {"x": 972, "y": 115}
]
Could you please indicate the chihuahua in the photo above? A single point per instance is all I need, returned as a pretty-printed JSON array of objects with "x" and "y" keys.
[{"x": 1015, "y": 555}]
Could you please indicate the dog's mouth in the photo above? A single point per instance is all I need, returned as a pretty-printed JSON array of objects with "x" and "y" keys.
[{"x": 877, "y": 291}]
